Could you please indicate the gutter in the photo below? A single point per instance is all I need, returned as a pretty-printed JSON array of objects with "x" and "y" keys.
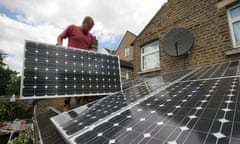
[{"x": 37, "y": 135}]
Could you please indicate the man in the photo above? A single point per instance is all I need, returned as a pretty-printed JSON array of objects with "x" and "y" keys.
[{"x": 78, "y": 37}]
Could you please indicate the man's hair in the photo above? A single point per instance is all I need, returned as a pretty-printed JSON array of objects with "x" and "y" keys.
[{"x": 88, "y": 19}]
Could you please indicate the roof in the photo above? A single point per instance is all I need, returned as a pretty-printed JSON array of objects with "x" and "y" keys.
[
  {"x": 47, "y": 134},
  {"x": 110, "y": 51},
  {"x": 124, "y": 37}
]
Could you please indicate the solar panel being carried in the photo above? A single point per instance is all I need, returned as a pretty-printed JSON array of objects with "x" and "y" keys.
[
  {"x": 53, "y": 71},
  {"x": 201, "y": 107}
]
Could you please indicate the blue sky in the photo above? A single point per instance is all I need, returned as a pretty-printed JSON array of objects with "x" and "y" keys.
[
  {"x": 7, "y": 12},
  {"x": 43, "y": 21},
  {"x": 112, "y": 46}
]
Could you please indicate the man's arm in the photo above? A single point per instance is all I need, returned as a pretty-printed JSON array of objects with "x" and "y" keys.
[
  {"x": 59, "y": 40},
  {"x": 94, "y": 46}
]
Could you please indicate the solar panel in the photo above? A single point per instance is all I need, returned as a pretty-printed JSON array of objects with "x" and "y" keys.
[
  {"x": 203, "y": 106},
  {"x": 202, "y": 113},
  {"x": 79, "y": 119},
  {"x": 217, "y": 70},
  {"x": 53, "y": 71}
]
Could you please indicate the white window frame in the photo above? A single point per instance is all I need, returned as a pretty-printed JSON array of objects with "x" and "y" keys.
[
  {"x": 127, "y": 75},
  {"x": 149, "y": 53},
  {"x": 127, "y": 51},
  {"x": 231, "y": 21}
]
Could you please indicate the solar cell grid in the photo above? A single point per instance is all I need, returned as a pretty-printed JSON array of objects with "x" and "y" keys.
[
  {"x": 51, "y": 71},
  {"x": 179, "y": 119},
  {"x": 91, "y": 114},
  {"x": 200, "y": 107}
]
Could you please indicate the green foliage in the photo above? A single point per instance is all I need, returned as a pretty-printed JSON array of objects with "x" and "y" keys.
[
  {"x": 14, "y": 86},
  {"x": 11, "y": 110},
  {"x": 2, "y": 55},
  {"x": 9, "y": 81},
  {"x": 25, "y": 137},
  {"x": 4, "y": 80}
]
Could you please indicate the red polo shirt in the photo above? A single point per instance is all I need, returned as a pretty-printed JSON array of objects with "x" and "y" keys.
[{"x": 76, "y": 38}]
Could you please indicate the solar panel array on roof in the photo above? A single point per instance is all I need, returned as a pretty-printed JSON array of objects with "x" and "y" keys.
[
  {"x": 52, "y": 71},
  {"x": 92, "y": 113},
  {"x": 201, "y": 107},
  {"x": 76, "y": 120}
]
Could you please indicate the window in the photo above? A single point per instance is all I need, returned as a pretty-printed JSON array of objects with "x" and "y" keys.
[
  {"x": 127, "y": 76},
  {"x": 150, "y": 56},
  {"x": 234, "y": 22},
  {"x": 127, "y": 51},
  {"x": 125, "y": 73}
]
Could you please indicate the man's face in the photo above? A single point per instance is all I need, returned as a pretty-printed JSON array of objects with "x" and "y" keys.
[{"x": 87, "y": 26}]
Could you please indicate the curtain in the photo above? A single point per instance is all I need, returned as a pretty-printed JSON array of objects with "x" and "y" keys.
[
  {"x": 235, "y": 15},
  {"x": 236, "y": 29},
  {"x": 151, "y": 60},
  {"x": 150, "y": 55}
]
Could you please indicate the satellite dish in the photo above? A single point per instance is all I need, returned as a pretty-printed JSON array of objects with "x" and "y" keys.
[{"x": 178, "y": 42}]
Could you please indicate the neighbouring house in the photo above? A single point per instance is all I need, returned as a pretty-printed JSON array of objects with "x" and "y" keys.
[
  {"x": 214, "y": 24},
  {"x": 125, "y": 52},
  {"x": 126, "y": 69}
]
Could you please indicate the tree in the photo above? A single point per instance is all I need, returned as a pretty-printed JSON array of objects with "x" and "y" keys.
[
  {"x": 4, "y": 80},
  {"x": 2, "y": 55},
  {"x": 9, "y": 111},
  {"x": 14, "y": 86},
  {"x": 8, "y": 78}
]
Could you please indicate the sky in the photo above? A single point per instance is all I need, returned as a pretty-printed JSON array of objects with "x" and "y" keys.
[{"x": 44, "y": 20}]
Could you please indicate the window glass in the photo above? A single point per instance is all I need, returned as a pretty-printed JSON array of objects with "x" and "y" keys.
[
  {"x": 150, "y": 47},
  {"x": 235, "y": 12},
  {"x": 127, "y": 51},
  {"x": 151, "y": 61},
  {"x": 236, "y": 30},
  {"x": 150, "y": 56},
  {"x": 234, "y": 23}
]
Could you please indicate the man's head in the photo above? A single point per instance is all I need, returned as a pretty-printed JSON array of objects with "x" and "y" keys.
[{"x": 87, "y": 24}]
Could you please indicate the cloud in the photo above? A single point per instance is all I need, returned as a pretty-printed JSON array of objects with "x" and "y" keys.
[
  {"x": 110, "y": 16},
  {"x": 43, "y": 20},
  {"x": 14, "y": 34}
]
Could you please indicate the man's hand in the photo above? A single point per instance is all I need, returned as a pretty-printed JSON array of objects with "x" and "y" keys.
[
  {"x": 94, "y": 46},
  {"x": 59, "y": 41}
]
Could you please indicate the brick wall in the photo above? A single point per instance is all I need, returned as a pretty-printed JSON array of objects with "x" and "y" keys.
[{"x": 208, "y": 24}]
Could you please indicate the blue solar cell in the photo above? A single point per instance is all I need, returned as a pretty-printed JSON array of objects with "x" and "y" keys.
[
  {"x": 198, "y": 106},
  {"x": 51, "y": 71}
]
